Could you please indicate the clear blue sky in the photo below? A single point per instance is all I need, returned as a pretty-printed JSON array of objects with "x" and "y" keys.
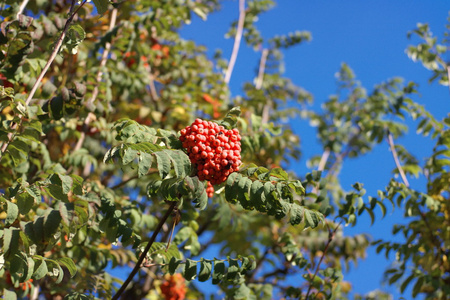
[{"x": 368, "y": 35}]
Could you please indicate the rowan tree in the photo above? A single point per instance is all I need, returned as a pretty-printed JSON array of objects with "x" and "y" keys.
[{"x": 122, "y": 146}]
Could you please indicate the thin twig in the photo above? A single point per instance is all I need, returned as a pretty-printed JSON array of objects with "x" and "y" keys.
[
  {"x": 405, "y": 181},
  {"x": 262, "y": 67},
  {"x": 54, "y": 54},
  {"x": 322, "y": 164},
  {"x": 397, "y": 161},
  {"x": 35, "y": 294},
  {"x": 259, "y": 263},
  {"x": 144, "y": 253},
  {"x": 22, "y": 7},
  {"x": 331, "y": 235},
  {"x": 323, "y": 160},
  {"x": 259, "y": 83},
  {"x": 237, "y": 41},
  {"x": 42, "y": 74},
  {"x": 448, "y": 75},
  {"x": 105, "y": 54}
]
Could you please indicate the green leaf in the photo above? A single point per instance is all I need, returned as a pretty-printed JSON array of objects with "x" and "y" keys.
[
  {"x": 163, "y": 163},
  {"x": 69, "y": 264},
  {"x": 181, "y": 162},
  {"x": 24, "y": 202},
  {"x": 205, "y": 270},
  {"x": 233, "y": 269},
  {"x": 51, "y": 223},
  {"x": 296, "y": 214},
  {"x": 66, "y": 183},
  {"x": 10, "y": 240},
  {"x": 406, "y": 282},
  {"x": 173, "y": 265},
  {"x": 40, "y": 269},
  {"x": 190, "y": 270},
  {"x": 11, "y": 213},
  {"x": 129, "y": 154},
  {"x": 243, "y": 292},
  {"x": 101, "y": 5},
  {"x": 145, "y": 163},
  {"x": 56, "y": 271},
  {"x": 418, "y": 286},
  {"x": 257, "y": 197},
  {"x": 9, "y": 295},
  {"x": 219, "y": 271}
]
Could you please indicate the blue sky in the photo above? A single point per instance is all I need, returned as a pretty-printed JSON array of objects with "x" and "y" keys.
[{"x": 370, "y": 36}]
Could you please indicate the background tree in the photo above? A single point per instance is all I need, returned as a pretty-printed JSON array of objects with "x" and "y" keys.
[{"x": 93, "y": 175}]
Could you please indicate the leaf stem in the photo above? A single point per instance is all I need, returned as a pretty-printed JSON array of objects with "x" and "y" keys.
[
  {"x": 237, "y": 41},
  {"x": 144, "y": 253}
]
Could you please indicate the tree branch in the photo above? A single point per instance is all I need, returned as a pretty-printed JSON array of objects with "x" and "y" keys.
[
  {"x": 144, "y": 253},
  {"x": 321, "y": 167},
  {"x": 54, "y": 53},
  {"x": 405, "y": 181},
  {"x": 262, "y": 67},
  {"x": 397, "y": 161},
  {"x": 237, "y": 41},
  {"x": 22, "y": 7},
  {"x": 105, "y": 54},
  {"x": 259, "y": 263},
  {"x": 448, "y": 75},
  {"x": 331, "y": 235},
  {"x": 43, "y": 72}
]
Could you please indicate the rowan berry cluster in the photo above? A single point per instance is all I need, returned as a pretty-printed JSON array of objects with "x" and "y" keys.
[
  {"x": 214, "y": 150},
  {"x": 174, "y": 288}
]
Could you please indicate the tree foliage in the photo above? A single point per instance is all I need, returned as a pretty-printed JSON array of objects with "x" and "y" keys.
[{"x": 92, "y": 99}]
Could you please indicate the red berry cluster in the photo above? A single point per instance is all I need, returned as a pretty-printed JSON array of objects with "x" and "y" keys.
[
  {"x": 214, "y": 150},
  {"x": 174, "y": 288}
]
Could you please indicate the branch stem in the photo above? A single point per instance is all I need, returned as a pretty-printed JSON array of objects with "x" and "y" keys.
[
  {"x": 105, "y": 54},
  {"x": 396, "y": 159},
  {"x": 331, "y": 235},
  {"x": 144, "y": 253},
  {"x": 262, "y": 68},
  {"x": 22, "y": 8},
  {"x": 237, "y": 41},
  {"x": 43, "y": 72}
]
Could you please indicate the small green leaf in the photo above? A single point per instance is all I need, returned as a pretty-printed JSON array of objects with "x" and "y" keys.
[
  {"x": 145, "y": 163},
  {"x": 417, "y": 286},
  {"x": 233, "y": 269},
  {"x": 163, "y": 163},
  {"x": 219, "y": 271},
  {"x": 10, "y": 240},
  {"x": 406, "y": 282},
  {"x": 9, "y": 295},
  {"x": 243, "y": 292},
  {"x": 101, "y": 5},
  {"x": 51, "y": 222},
  {"x": 69, "y": 264},
  {"x": 205, "y": 270},
  {"x": 40, "y": 269},
  {"x": 11, "y": 213},
  {"x": 190, "y": 270},
  {"x": 173, "y": 265}
]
